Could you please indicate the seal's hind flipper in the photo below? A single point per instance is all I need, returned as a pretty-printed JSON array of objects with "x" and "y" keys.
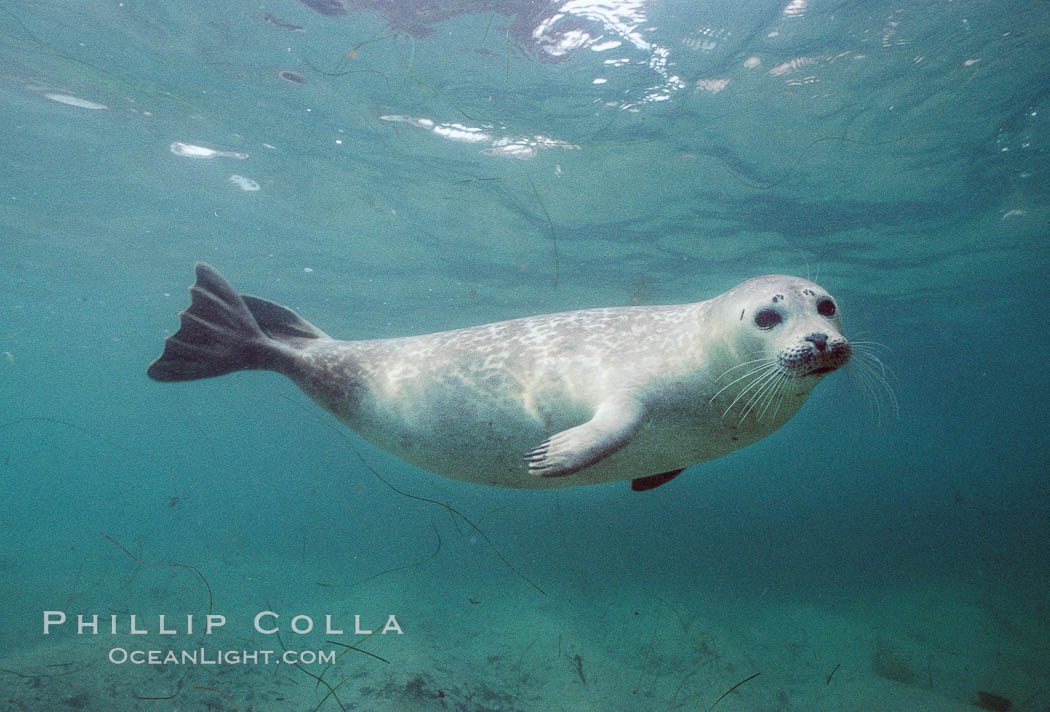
[
  {"x": 218, "y": 335},
  {"x": 281, "y": 323},
  {"x": 614, "y": 423},
  {"x": 643, "y": 484}
]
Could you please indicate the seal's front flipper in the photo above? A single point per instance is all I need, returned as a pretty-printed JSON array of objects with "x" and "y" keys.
[
  {"x": 613, "y": 425},
  {"x": 642, "y": 484},
  {"x": 223, "y": 331}
]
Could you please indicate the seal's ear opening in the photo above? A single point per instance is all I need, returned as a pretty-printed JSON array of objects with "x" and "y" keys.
[{"x": 222, "y": 332}]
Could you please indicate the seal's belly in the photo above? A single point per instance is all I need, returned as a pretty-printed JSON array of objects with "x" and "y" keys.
[
  {"x": 486, "y": 445},
  {"x": 475, "y": 422},
  {"x": 476, "y": 430}
]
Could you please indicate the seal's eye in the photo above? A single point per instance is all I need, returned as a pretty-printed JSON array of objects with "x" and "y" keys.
[
  {"x": 767, "y": 318},
  {"x": 825, "y": 307}
]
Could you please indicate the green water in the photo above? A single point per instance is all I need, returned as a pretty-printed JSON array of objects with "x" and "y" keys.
[{"x": 445, "y": 164}]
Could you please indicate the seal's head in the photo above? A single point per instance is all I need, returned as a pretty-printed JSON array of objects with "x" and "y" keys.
[
  {"x": 779, "y": 337},
  {"x": 793, "y": 326}
]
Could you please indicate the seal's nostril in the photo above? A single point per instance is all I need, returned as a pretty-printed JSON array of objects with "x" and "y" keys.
[{"x": 818, "y": 340}]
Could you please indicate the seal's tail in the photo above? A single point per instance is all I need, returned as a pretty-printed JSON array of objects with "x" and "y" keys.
[{"x": 223, "y": 331}]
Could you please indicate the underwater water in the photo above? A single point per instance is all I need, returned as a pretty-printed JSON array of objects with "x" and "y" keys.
[{"x": 390, "y": 169}]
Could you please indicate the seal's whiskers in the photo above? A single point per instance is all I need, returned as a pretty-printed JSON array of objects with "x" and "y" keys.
[
  {"x": 744, "y": 364},
  {"x": 775, "y": 393},
  {"x": 755, "y": 390},
  {"x": 763, "y": 373},
  {"x": 769, "y": 388},
  {"x": 872, "y": 373},
  {"x": 765, "y": 363}
]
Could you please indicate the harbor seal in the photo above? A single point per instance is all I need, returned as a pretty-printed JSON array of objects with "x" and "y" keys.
[{"x": 582, "y": 397}]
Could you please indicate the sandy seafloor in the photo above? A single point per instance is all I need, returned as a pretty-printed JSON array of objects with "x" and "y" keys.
[{"x": 618, "y": 650}]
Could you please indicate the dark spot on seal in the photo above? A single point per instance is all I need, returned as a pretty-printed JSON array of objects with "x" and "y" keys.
[
  {"x": 289, "y": 76},
  {"x": 742, "y": 314},
  {"x": 777, "y": 298},
  {"x": 808, "y": 292}
]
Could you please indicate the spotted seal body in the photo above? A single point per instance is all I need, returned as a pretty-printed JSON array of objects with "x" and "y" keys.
[{"x": 576, "y": 398}]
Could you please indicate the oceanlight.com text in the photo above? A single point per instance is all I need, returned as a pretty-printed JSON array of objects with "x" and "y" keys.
[{"x": 201, "y": 656}]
